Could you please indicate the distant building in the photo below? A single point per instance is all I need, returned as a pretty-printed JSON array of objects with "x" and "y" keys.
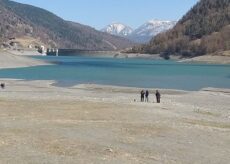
[
  {"x": 42, "y": 50},
  {"x": 30, "y": 46}
]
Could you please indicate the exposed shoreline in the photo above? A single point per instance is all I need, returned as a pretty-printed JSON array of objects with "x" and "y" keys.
[
  {"x": 209, "y": 59},
  {"x": 11, "y": 59},
  {"x": 110, "y": 89},
  {"x": 85, "y": 123},
  {"x": 206, "y": 59}
]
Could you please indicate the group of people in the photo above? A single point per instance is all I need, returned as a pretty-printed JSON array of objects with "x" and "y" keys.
[{"x": 145, "y": 96}]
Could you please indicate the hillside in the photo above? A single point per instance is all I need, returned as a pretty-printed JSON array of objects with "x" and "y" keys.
[
  {"x": 20, "y": 20},
  {"x": 205, "y": 29}
]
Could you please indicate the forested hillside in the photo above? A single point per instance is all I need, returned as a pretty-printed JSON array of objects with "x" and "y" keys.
[
  {"x": 204, "y": 29},
  {"x": 19, "y": 20}
]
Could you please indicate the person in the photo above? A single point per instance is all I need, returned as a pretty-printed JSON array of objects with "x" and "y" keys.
[
  {"x": 146, "y": 96},
  {"x": 158, "y": 96},
  {"x": 2, "y": 85},
  {"x": 142, "y": 95}
]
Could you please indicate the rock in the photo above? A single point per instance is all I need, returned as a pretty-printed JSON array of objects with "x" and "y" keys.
[{"x": 109, "y": 150}]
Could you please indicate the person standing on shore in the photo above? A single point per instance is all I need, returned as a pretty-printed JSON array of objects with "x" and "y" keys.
[
  {"x": 146, "y": 96},
  {"x": 142, "y": 95},
  {"x": 158, "y": 96},
  {"x": 3, "y": 85}
]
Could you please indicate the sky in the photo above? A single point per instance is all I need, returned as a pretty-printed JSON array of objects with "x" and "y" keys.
[{"x": 99, "y": 13}]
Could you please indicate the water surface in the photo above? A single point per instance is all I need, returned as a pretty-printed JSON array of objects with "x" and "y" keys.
[{"x": 69, "y": 71}]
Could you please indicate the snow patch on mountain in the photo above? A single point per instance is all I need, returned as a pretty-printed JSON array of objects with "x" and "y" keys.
[
  {"x": 154, "y": 27},
  {"x": 118, "y": 29},
  {"x": 142, "y": 34},
  {"x": 150, "y": 29}
]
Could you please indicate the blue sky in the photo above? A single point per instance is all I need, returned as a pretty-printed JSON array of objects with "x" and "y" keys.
[{"x": 99, "y": 13}]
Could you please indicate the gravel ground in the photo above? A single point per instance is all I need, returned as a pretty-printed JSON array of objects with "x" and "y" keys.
[{"x": 41, "y": 123}]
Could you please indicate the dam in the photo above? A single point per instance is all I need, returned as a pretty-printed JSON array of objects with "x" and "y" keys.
[{"x": 69, "y": 52}]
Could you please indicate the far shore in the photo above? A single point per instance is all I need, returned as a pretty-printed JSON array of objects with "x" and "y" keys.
[
  {"x": 15, "y": 59},
  {"x": 209, "y": 58}
]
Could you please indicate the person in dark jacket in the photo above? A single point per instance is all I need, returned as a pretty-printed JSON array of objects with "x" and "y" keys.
[
  {"x": 158, "y": 96},
  {"x": 2, "y": 85},
  {"x": 142, "y": 95},
  {"x": 146, "y": 96}
]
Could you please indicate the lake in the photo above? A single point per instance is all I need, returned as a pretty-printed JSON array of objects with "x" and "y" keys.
[{"x": 145, "y": 73}]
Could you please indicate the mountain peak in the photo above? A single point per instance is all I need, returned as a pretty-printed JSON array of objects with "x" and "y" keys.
[
  {"x": 157, "y": 21},
  {"x": 151, "y": 28},
  {"x": 142, "y": 34},
  {"x": 119, "y": 29}
]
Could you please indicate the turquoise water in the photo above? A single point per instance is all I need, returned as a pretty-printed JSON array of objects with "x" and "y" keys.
[{"x": 69, "y": 71}]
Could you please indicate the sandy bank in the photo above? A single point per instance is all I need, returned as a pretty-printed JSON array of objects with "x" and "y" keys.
[
  {"x": 25, "y": 52},
  {"x": 10, "y": 60},
  {"x": 41, "y": 123},
  {"x": 211, "y": 59},
  {"x": 216, "y": 58}
]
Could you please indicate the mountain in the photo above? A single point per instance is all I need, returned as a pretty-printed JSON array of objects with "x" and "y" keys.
[
  {"x": 118, "y": 29},
  {"x": 205, "y": 29},
  {"x": 147, "y": 31},
  {"x": 21, "y": 21},
  {"x": 143, "y": 34}
]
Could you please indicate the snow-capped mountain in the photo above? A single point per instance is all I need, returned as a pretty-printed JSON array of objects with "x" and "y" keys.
[
  {"x": 142, "y": 34},
  {"x": 118, "y": 29},
  {"x": 150, "y": 29}
]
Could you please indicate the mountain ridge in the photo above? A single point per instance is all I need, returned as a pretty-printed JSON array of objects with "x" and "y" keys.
[
  {"x": 143, "y": 33},
  {"x": 20, "y": 20}
]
